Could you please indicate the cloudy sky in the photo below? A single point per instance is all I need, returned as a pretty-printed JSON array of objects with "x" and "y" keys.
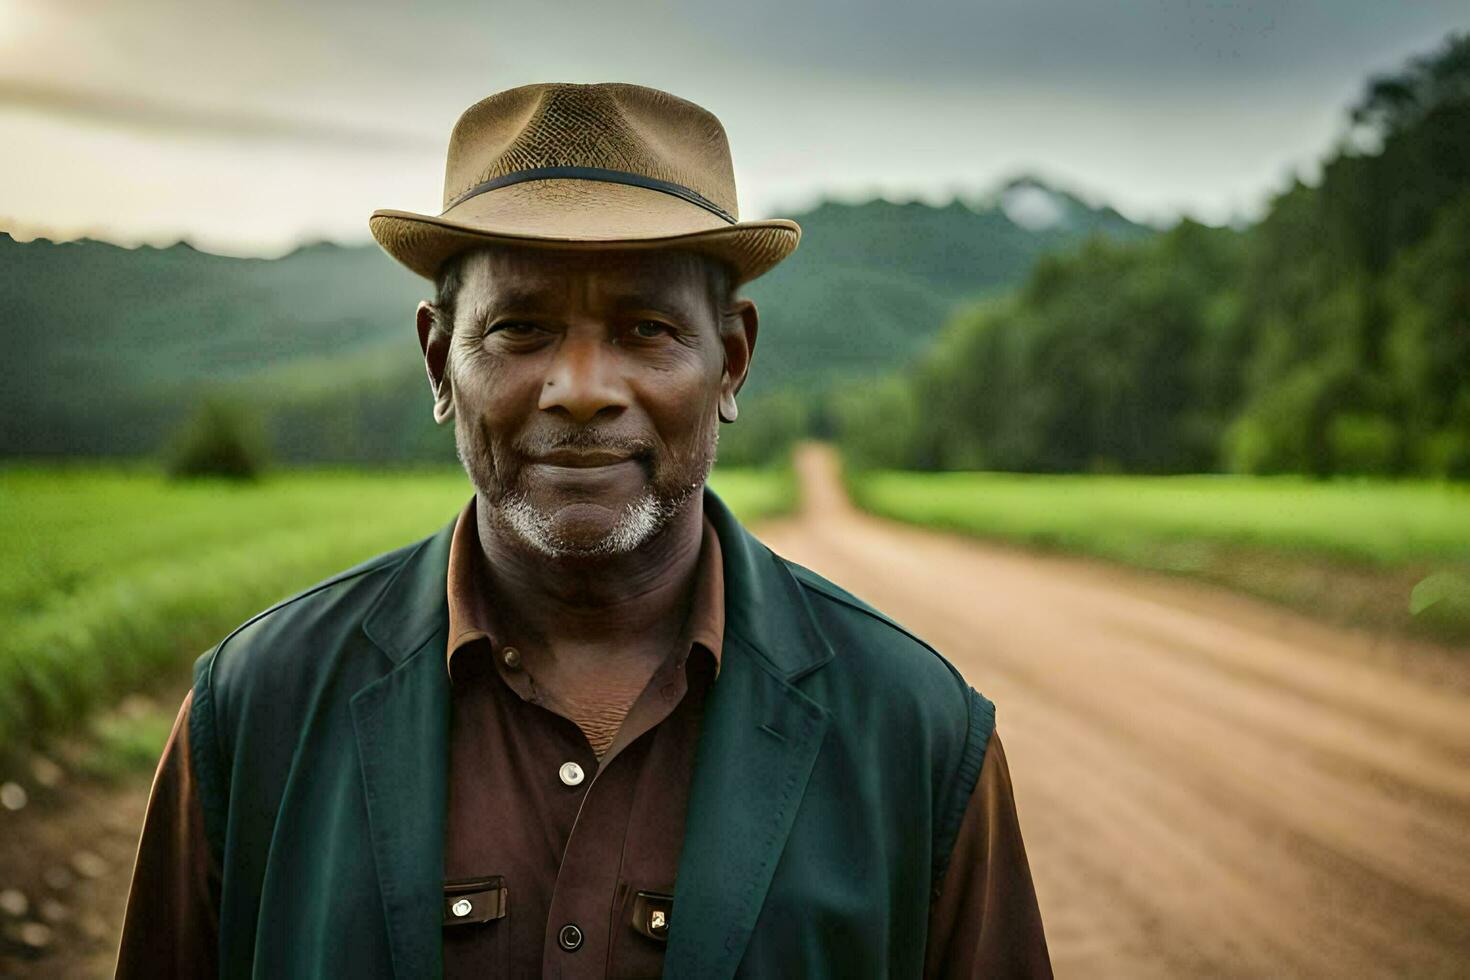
[{"x": 248, "y": 126}]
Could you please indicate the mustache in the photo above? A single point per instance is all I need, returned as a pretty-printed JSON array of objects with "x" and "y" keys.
[{"x": 586, "y": 439}]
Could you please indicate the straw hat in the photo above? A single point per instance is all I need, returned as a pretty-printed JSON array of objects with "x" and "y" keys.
[{"x": 601, "y": 166}]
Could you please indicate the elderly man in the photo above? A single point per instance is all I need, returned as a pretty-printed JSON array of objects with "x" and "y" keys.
[{"x": 592, "y": 726}]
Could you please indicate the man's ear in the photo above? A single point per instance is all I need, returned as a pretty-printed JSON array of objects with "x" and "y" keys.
[
  {"x": 435, "y": 345},
  {"x": 739, "y": 324}
]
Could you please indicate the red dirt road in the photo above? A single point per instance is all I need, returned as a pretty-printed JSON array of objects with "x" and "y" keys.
[{"x": 1207, "y": 785}]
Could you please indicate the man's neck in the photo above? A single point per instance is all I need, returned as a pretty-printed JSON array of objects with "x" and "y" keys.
[{"x": 570, "y": 604}]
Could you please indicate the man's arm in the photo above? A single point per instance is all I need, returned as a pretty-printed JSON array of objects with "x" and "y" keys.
[
  {"x": 172, "y": 924},
  {"x": 985, "y": 922}
]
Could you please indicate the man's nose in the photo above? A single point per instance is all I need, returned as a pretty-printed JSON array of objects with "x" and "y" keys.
[{"x": 584, "y": 380}]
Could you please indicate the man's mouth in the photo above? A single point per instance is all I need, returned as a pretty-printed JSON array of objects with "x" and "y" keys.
[{"x": 583, "y": 458}]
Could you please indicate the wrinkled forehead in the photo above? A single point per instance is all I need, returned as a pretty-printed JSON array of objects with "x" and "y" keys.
[{"x": 500, "y": 271}]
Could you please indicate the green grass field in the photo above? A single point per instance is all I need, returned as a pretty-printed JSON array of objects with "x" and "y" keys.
[
  {"x": 114, "y": 579},
  {"x": 1394, "y": 554}
]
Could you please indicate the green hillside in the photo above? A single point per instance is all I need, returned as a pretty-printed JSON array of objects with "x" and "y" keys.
[
  {"x": 119, "y": 342},
  {"x": 872, "y": 283},
  {"x": 119, "y": 345}
]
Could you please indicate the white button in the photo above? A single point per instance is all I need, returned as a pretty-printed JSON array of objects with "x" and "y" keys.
[
  {"x": 570, "y": 773},
  {"x": 462, "y": 907}
]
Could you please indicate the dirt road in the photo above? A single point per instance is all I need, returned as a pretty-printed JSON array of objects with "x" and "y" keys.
[{"x": 1207, "y": 785}]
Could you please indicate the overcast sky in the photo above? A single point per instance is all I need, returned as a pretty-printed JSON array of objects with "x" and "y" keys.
[{"x": 248, "y": 127}]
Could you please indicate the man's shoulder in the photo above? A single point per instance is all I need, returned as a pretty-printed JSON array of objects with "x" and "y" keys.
[
  {"x": 300, "y": 634},
  {"x": 876, "y": 651},
  {"x": 899, "y": 700}
]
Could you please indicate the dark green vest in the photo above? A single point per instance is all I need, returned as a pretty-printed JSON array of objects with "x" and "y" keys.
[{"x": 837, "y": 756}]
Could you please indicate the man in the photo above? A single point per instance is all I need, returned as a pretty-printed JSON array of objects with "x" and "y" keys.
[{"x": 592, "y": 726}]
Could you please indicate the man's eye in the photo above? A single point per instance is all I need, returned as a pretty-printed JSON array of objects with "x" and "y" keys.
[
  {"x": 515, "y": 328},
  {"x": 650, "y": 329}
]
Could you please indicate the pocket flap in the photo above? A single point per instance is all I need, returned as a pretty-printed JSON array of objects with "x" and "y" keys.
[
  {"x": 468, "y": 900},
  {"x": 651, "y": 911}
]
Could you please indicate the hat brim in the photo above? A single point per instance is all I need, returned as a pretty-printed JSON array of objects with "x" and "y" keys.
[{"x": 569, "y": 213}]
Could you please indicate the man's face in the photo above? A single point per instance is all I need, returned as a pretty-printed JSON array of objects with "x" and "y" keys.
[{"x": 586, "y": 388}]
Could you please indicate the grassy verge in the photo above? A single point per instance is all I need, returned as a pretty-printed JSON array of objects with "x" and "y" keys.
[
  {"x": 113, "y": 580},
  {"x": 1392, "y": 555}
]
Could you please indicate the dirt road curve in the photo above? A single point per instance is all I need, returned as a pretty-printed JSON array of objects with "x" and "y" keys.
[{"x": 1207, "y": 785}]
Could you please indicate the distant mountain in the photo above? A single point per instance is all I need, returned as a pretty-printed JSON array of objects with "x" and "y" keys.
[
  {"x": 872, "y": 283},
  {"x": 110, "y": 346},
  {"x": 1037, "y": 206}
]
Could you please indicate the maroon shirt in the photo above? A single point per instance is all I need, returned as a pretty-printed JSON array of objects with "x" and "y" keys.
[{"x": 561, "y": 844}]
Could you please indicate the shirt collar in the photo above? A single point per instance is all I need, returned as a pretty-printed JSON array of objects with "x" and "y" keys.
[{"x": 471, "y": 608}]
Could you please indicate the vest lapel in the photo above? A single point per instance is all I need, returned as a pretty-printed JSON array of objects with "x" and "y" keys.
[
  {"x": 402, "y": 724},
  {"x": 759, "y": 742}
]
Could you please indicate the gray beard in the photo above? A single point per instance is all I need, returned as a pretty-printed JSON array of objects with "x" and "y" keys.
[{"x": 638, "y": 522}]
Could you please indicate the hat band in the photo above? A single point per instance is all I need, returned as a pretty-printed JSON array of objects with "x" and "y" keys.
[{"x": 593, "y": 173}]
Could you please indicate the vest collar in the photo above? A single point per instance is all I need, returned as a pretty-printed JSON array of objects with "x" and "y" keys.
[{"x": 414, "y": 604}]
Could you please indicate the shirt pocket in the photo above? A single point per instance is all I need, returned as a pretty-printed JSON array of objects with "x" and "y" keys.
[{"x": 476, "y": 916}]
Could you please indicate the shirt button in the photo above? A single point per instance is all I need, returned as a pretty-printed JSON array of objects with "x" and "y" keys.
[
  {"x": 462, "y": 907},
  {"x": 570, "y": 937},
  {"x": 511, "y": 657},
  {"x": 572, "y": 775}
]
